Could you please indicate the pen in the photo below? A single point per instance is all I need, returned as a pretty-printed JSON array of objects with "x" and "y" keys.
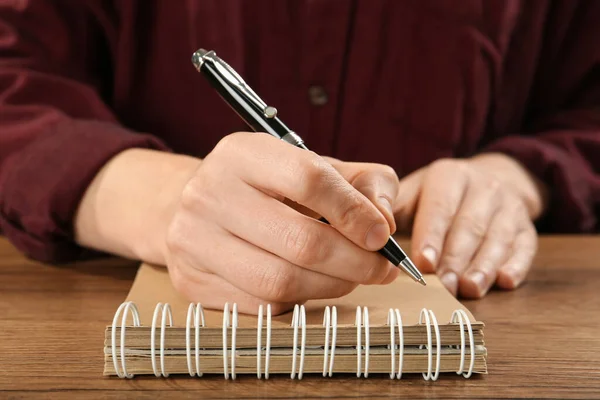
[{"x": 263, "y": 118}]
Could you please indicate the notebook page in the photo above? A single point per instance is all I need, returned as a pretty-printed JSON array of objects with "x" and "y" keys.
[{"x": 152, "y": 285}]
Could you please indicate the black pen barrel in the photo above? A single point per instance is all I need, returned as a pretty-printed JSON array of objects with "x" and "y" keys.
[{"x": 246, "y": 110}]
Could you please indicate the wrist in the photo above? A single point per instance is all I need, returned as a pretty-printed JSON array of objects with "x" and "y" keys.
[
  {"x": 127, "y": 206},
  {"x": 533, "y": 192},
  {"x": 150, "y": 243}
]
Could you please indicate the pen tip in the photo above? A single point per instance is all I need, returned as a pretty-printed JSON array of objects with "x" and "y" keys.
[{"x": 422, "y": 281}]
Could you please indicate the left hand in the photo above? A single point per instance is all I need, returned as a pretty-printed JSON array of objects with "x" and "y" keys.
[{"x": 471, "y": 219}]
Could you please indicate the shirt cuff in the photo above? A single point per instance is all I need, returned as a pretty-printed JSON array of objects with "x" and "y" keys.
[
  {"x": 43, "y": 183},
  {"x": 571, "y": 206}
]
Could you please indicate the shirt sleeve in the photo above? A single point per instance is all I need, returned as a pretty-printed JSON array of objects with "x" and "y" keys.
[
  {"x": 55, "y": 131},
  {"x": 561, "y": 145}
]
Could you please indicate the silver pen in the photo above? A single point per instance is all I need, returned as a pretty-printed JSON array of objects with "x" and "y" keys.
[{"x": 263, "y": 118}]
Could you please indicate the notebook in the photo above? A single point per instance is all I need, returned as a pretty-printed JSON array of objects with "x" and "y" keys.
[{"x": 392, "y": 329}]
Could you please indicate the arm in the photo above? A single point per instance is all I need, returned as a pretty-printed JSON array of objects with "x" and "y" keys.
[
  {"x": 481, "y": 233},
  {"x": 561, "y": 145},
  {"x": 55, "y": 131},
  {"x": 68, "y": 174}
]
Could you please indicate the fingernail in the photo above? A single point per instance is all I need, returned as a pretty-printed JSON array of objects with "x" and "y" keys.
[
  {"x": 450, "y": 280},
  {"x": 514, "y": 276},
  {"x": 376, "y": 237},
  {"x": 430, "y": 255},
  {"x": 478, "y": 278},
  {"x": 385, "y": 203}
]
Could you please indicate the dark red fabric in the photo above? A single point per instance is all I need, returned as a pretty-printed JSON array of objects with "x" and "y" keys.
[{"x": 406, "y": 82}]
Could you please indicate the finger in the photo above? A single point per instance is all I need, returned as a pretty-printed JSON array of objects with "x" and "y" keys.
[
  {"x": 380, "y": 187},
  {"x": 468, "y": 230},
  {"x": 391, "y": 277},
  {"x": 378, "y": 182},
  {"x": 306, "y": 178},
  {"x": 513, "y": 272},
  {"x": 280, "y": 230},
  {"x": 405, "y": 205},
  {"x": 441, "y": 194},
  {"x": 213, "y": 292},
  {"x": 260, "y": 273},
  {"x": 495, "y": 250}
]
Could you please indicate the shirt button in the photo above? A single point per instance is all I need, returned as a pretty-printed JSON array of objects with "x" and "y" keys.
[{"x": 317, "y": 96}]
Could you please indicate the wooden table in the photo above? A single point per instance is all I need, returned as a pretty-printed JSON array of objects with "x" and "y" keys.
[{"x": 543, "y": 339}]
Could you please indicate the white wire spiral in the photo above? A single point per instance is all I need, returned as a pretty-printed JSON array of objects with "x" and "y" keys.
[
  {"x": 362, "y": 320},
  {"x": 259, "y": 326},
  {"x": 329, "y": 322},
  {"x": 298, "y": 321},
  {"x": 429, "y": 317},
  {"x": 226, "y": 325},
  {"x": 268, "y": 352},
  {"x": 195, "y": 316},
  {"x": 395, "y": 319},
  {"x": 124, "y": 308},
  {"x": 165, "y": 311},
  {"x": 461, "y": 317}
]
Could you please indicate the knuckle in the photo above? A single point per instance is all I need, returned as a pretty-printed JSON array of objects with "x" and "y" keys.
[
  {"x": 191, "y": 196},
  {"x": 305, "y": 245},
  {"x": 374, "y": 273},
  {"x": 475, "y": 226},
  {"x": 519, "y": 210},
  {"x": 493, "y": 185},
  {"x": 387, "y": 171},
  {"x": 201, "y": 194},
  {"x": 277, "y": 285},
  {"x": 179, "y": 280},
  {"x": 502, "y": 235},
  {"x": 351, "y": 210},
  {"x": 452, "y": 260},
  {"x": 312, "y": 171},
  {"x": 175, "y": 237},
  {"x": 443, "y": 208},
  {"x": 228, "y": 143},
  {"x": 445, "y": 163}
]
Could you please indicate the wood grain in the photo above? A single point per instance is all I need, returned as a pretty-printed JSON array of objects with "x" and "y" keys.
[{"x": 543, "y": 339}]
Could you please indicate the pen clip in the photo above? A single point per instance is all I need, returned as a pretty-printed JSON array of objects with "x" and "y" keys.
[{"x": 238, "y": 83}]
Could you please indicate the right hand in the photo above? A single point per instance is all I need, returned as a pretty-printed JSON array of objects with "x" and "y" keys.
[{"x": 233, "y": 237}]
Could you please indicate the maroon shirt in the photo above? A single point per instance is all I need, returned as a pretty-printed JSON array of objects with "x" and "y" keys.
[{"x": 396, "y": 82}]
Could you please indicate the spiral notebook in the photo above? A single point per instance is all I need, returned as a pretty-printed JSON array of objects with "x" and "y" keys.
[{"x": 394, "y": 329}]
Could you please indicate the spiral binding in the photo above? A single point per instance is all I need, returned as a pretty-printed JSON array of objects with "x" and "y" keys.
[
  {"x": 298, "y": 321},
  {"x": 165, "y": 310},
  {"x": 462, "y": 318},
  {"x": 234, "y": 324},
  {"x": 395, "y": 319},
  {"x": 362, "y": 320},
  {"x": 195, "y": 318},
  {"x": 429, "y": 320},
  {"x": 124, "y": 308},
  {"x": 259, "y": 341},
  {"x": 329, "y": 318},
  {"x": 197, "y": 314}
]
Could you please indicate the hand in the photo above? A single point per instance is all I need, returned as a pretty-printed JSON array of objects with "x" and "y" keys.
[
  {"x": 472, "y": 221},
  {"x": 232, "y": 237}
]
